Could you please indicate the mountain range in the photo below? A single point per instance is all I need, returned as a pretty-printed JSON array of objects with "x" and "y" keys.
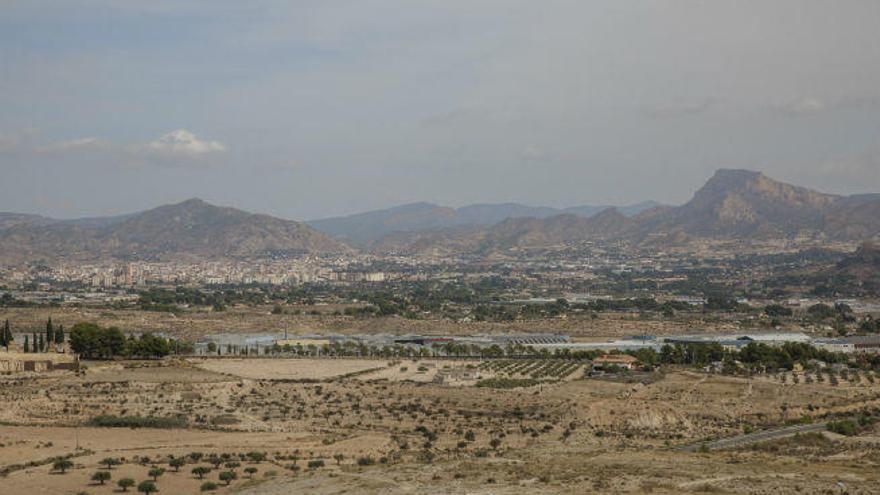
[
  {"x": 191, "y": 230},
  {"x": 363, "y": 229},
  {"x": 733, "y": 204}
]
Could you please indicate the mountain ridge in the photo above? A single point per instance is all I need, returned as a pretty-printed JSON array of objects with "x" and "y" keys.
[
  {"x": 192, "y": 229},
  {"x": 732, "y": 204},
  {"x": 365, "y": 228}
]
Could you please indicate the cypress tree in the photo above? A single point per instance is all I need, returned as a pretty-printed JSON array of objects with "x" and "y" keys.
[
  {"x": 34, "y": 347},
  {"x": 26, "y": 346},
  {"x": 42, "y": 346},
  {"x": 59, "y": 335},
  {"x": 3, "y": 341},
  {"x": 50, "y": 332},
  {"x": 8, "y": 338}
]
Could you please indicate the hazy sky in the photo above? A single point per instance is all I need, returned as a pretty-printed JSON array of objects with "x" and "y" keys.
[{"x": 306, "y": 109}]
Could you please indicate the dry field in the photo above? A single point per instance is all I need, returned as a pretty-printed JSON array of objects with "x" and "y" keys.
[
  {"x": 393, "y": 431},
  {"x": 287, "y": 369},
  {"x": 192, "y": 324}
]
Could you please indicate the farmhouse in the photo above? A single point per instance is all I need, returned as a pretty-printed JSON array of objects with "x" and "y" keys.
[
  {"x": 18, "y": 362},
  {"x": 624, "y": 361}
]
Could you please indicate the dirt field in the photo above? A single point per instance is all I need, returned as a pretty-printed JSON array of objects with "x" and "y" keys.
[
  {"x": 193, "y": 324},
  {"x": 288, "y": 369},
  {"x": 395, "y": 431}
]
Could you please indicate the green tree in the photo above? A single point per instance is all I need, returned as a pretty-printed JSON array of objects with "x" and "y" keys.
[
  {"x": 147, "y": 487},
  {"x": 110, "y": 462},
  {"x": 42, "y": 345},
  {"x": 101, "y": 476},
  {"x": 227, "y": 477},
  {"x": 125, "y": 484},
  {"x": 250, "y": 470},
  {"x": 27, "y": 347},
  {"x": 59, "y": 335},
  {"x": 94, "y": 342},
  {"x": 201, "y": 471},
  {"x": 50, "y": 332},
  {"x": 177, "y": 463},
  {"x": 62, "y": 465},
  {"x": 156, "y": 472}
]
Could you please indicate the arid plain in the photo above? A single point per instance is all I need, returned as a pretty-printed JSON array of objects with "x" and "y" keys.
[{"x": 378, "y": 426}]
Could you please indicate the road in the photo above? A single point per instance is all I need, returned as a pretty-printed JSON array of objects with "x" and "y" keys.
[{"x": 754, "y": 437}]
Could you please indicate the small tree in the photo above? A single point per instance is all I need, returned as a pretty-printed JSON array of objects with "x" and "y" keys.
[
  {"x": 59, "y": 335},
  {"x": 110, "y": 462},
  {"x": 125, "y": 484},
  {"x": 101, "y": 476},
  {"x": 156, "y": 472},
  {"x": 177, "y": 463},
  {"x": 5, "y": 336},
  {"x": 338, "y": 458},
  {"x": 62, "y": 465},
  {"x": 7, "y": 332},
  {"x": 201, "y": 471},
  {"x": 147, "y": 487},
  {"x": 27, "y": 347},
  {"x": 227, "y": 477},
  {"x": 208, "y": 486}
]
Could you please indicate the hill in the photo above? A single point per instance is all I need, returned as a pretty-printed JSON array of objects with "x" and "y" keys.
[
  {"x": 733, "y": 204},
  {"x": 191, "y": 230},
  {"x": 369, "y": 228}
]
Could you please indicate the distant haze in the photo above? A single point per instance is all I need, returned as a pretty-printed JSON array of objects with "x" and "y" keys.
[{"x": 312, "y": 109}]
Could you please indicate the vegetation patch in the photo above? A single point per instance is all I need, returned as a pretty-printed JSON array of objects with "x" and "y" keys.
[
  {"x": 108, "y": 421},
  {"x": 508, "y": 382}
]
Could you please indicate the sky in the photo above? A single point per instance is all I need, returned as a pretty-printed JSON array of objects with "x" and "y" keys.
[{"x": 307, "y": 109}]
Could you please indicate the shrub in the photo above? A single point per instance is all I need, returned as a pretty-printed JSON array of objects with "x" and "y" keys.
[
  {"x": 62, "y": 465},
  {"x": 208, "y": 486},
  {"x": 156, "y": 472},
  {"x": 147, "y": 487},
  {"x": 228, "y": 477},
  {"x": 201, "y": 471},
  {"x": 106, "y": 421},
  {"x": 843, "y": 427},
  {"x": 125, "y": 484},
  {"x": 101, "y": 476}
]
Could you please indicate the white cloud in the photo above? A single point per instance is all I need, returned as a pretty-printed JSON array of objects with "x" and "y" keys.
[
  {"x": 73, "y": 145},
  {"x": 804, "y": 106},
  {"x": 183, "y": 142}
]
